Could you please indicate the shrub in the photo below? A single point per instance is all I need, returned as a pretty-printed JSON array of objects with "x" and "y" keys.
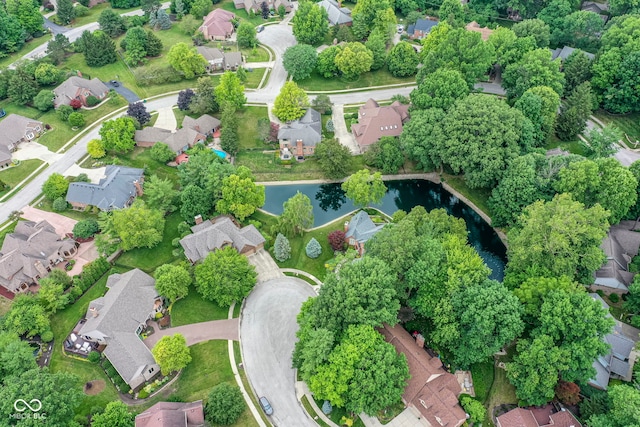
[
  {"x": 568, "y": 392},
  {"x": 313, "y": 248},
  {"x": 282, "y": 248},
  {"x": 635, "y": 321},
  {"x": 60, "y": 204},
  {"x": 75, "y": 292},
  {"x": 225, "y": 404},
  {"x": 600, "y": 293},
  {"x": 75, "y": 104},
  {"x": 92, "y": 101},
  {"x": 160, "y": 152},
  {"x": 330, "y": 127},
  {"x": 85, "y": 228},
  {"x": 94, "y": 357},
  {"x": 336, "y": 240},
  {"x": 81, "y": 10},
  {"x": 76, "y": 120},
  {"x": 614, "y": 298},
  {"x": 47, "y": 336},
  {"x": 63, "y": 112}
]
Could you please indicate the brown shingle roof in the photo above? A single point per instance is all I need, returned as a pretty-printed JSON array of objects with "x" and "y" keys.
[
  {"x": 172, "y": 414},
  {"x": 218, "y": 23},
  {"x": 69, "y": 89},
  {"x": 537, "y": 417},
  {"x": 431, "y": 389},
  {"x": 485, "y": 32},
  {"x": 375, "y": 121},
  {"x": 14, "y": 128}
]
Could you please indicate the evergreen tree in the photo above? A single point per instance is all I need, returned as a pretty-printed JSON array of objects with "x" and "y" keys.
[{"x": 282, "y": 248}]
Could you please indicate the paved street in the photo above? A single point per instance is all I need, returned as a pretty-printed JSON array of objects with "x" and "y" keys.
[{"x": 267, "y": 333}]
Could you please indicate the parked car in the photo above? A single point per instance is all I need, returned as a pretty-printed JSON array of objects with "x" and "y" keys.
[
  {"x": 115, "y": 83},
  {"x": 259, "y": 28},
  {"x": 266, "y": 406}
]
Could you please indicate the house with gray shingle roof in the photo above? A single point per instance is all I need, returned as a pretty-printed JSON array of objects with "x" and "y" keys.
[
  {"x": 116, "y": 190},
  {"x": 172, "y": 414},
  {"x": 421, "y": 28},
  {"x": 360, "y": 229},
  {"x": 620, "y": 245},
  {"x": 217, "y": 233},
  {"x": 79, "y": 88},
  {"x": 617, "y": 363},
  {"x": 300, "y": 137},
  {"x": 565, "y": 51},
  {"x": 219, "y": 60},
  {"x": 15, "y": 129},
  {"x": 117, "y": 319},
  {"x": 192, "y": 132},
  {"x": 336, "y": 14},
  {"x": 30, "y": 252}
]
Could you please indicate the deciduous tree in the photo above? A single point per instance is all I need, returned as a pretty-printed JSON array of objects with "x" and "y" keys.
[
  {"x": 172, "y": 281},
  {"x": 297, "y": 215},
  {"x": 194, "y": 201},
  {"x": 385, "y": 155},
  {"x": 225, "y": 404},
  {"x": 534, "y": 69},
  {"x": 246, "y": 35},
  {"x": 225, "y": 276},
  {"x": 160, "y": 194},
  {"x": 310, "y": 24},
  {"x": 327, "y": 61},
  {"x": 439, "y": 89},
  {"x": 364, "y": 187},
  {"x": 95, "y": 148},
  {"x": 290, "y": 103},
  {"x": 540, "y": 105},
  {"x": 171, "y": 353},
  {"x": 601, "y": 142},
  {"x": 138, "y": 111},
  {"x": 55, "y": 186},
  {"x": 138, "y": 226},
  {"x": 300, "y": 60},
  {"x": 117, "y": 134},
  {"x": 403, "y": 60},
  {"x": 116, "y": 414},
  {"x": 26, "y": 317},
  {"x": 421, "y": 137},
  {"x": 240, "y": 195},
  {"x": 353, "y": 59},
  {"x": 186, "y": 60},
  {"x": 230, "y": 91},
  {"x": 535, "y": 28},
  {"x": 625, "y": 401},
  {"x": 333, "y": 158}
]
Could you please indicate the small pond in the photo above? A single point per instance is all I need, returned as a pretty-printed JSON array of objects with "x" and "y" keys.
[{"x": 329, "y": 202}]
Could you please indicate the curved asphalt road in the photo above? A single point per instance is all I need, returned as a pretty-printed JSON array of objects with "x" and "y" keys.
[{"x": 267, "y": 335}]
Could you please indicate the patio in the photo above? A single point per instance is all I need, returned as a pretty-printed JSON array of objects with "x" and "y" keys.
[{"x": 77, "y": 345}]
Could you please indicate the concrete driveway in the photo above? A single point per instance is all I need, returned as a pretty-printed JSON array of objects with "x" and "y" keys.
[
  {"x": 266, "y": 267},
  {"x": 34, "y": 150},
  {"x": 61, "y": 223},
  {"x": 195, "y": 333},
  {"x": 341, "y": 131},
  {"x": 268, "y": 333},
  {"x": 166, "y": 119},
  {"x": 54, "y": 28},
  {"x": 127, "y": 94}
]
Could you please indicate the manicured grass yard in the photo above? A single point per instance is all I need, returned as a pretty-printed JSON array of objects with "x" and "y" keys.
[
  {"x": 248, "y": 129},
  {"x": 501, "y": 392},
  {"x": 241, "y": 13},
  {"x": 267, "y": 167},
  {"x": 195, "y": 309},
  {"x": 629, "y": 123},
  {"x": 571, "y": 146},
  {"x": 150, "y": 259},
  {"x": 62, "y": 323},
  {"x": 337, "y": 414},
  {"x": 141, "y": 158},
  {"x": 374, "y": 78},
  {"x": 14, "y": 175},
  {"x": 478, "y": 196},
  {"x": 482, "y": 377}
]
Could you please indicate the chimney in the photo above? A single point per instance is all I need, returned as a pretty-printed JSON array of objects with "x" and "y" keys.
[
  {"x": 198, "y": 219},
  {"x": 138, "y": 187},
  {"x": 420, "y": 341},
  {"x": 94, "y": 312}
]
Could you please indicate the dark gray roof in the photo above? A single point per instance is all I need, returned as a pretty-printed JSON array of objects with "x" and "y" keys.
[
  {"x": 592, "y": 6},
  {"x": 217, "y": 233},
  {"x": 424, "y": 25},
  {"x": 13, "y": 128},
  {"x": 335, "y": 14},
  {"x": 112, "y": 192},
  {"x": 127, "y": 304},
  {"x": 564, "y": 52},
  {"x": 616, "y": 361},
  {"x": 308, "y": 129},
  {"x": 620, "y": 245},
  {"x": 361, "y": 228},
  {"x": 27, "y": 252}
]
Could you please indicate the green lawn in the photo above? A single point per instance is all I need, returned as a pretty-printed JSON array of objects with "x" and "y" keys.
[
  {"x": 195, "y": 309},
  {"x": 62, "y": 324},
  {"x": 478, "y": 196},
  {"x": 14, "y": 175},
  {"x": 267, "y": 167},
  {"x": 47, "y": 205},
  {"x": 571, "y": 146},
  {"x": 629, "y": 123},
  {"x": 482, "y": 375},
  {"x": 149, "y": 259},
  {"x": 337, "y": 414},
  {"x": 374, "y": 78},
  {"x": 259, "y": 54},
  {"x": 242, "y": 14},
  {"x": 248, "y": 129},
  {"x": 28, "y": 47},
  {"x": 502, "y": 391},
  {"x": 141, "y": 158}
]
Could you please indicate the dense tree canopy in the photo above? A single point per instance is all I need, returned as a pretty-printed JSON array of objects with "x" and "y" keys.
[
  {"x": 300, "y": 61},
  {"x": 225, "y": 276},
  {"x": 333, "y": 158},
  {"x": 240, "y": 195},
  {"x": 534, "y": 69},
  {"x": 171, "y": 353},
  {"x": 560, "y": 237},
  {"x": 540, "y": 105},
  {"x": 624, "y": 412},
  {"x": 310, "y": 23},
  {"x": 138, "y": 226},
  {"x": 439, "y": 89},
  {"x": 297, "y": 215},
  {"x": 364, "y": 187},
  {"x": 290, "y": 103}
]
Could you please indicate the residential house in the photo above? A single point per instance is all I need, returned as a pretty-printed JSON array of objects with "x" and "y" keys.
[
  {"x": 217, "y": 25},
  {"x": 430, "y": 389},
  {"x": 117, "y": 319},
  {"x": 545, "y": 416},
  {"x": 300, "y": 137},
  {"x": 116, "y": 190},
  {"x": 192, "y": 132},
  {"x": 620, "y": 246},
  {"x": 602, "y": 9},
  {"x": 618, "y": 362},
  {"x": 172, "y": 414},
  {"x": 219, "y": 60},
  {"x": 217, "y": 233},
  {"x": 336, "y": 14},
  {"x": 15, "y": 129},
  {"x": 256, "y": 5},
  {"x": 564, "y": 52},
  {"x": 30, "y": 252},
  {"x": 485, "y": 32},
  {"x": 421, "y": 28},
  {"x": 79, "y": 88},
  {"x": 375, "y": 121},
  {"x": 360, "y": 229}
]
